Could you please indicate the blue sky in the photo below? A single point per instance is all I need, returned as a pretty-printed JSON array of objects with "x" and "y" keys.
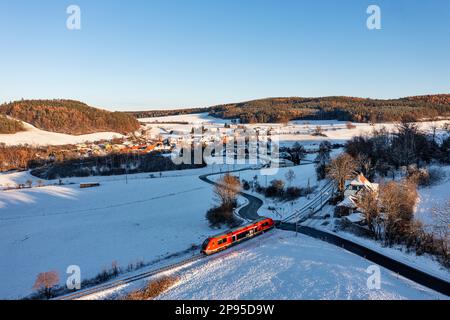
[{"x": 165, "y": 53}]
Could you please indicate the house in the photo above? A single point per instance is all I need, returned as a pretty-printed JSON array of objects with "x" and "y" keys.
[
  {"x": 358, "y": 184},
  {"x": 354, "y": 187}
]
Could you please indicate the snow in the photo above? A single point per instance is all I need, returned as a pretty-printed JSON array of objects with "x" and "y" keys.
[
  {"x": 37, "y": 137},
  {"x": 195, "y": 118},
  {"x": 302, "y": 173},
  {"x": 433, "y": 199},
  {"x": 147, "y": 219},
  {"x": 52, "y": 227},
  {"x": 355, "y": 217},
  {"x": 425, "y": 262},
  {"x": 281, "y": 266},
  {"x": 287, "y": 134}
]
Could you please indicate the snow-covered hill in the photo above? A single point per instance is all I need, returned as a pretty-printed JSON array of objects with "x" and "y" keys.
[
  {"x": 52, "y": 227},
  {"x": 38, "y": 137},
  {"x": 279, "y": 265}
]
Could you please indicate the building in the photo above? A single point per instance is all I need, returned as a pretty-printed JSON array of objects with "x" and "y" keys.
[{"x": 354, "y": 187}]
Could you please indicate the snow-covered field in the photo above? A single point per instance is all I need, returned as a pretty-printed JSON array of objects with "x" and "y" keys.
[
  {"x": 37, "y": 137},
  {"x": 335, "y": 131},
  {"x": 279, "y": 265},
  {"x": 50, "y": 228},
  {"x": 303, "y": 175},
  {"x": 193, "y": 119},
  {"x": 434, "y": 201},
  {"x": 146, "y": 219}
]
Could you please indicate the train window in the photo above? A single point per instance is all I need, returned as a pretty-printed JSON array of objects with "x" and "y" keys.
[
  {"x": 222, "y": 241},
  {"x": 205, "y": 244},
  {"x": 242, "y": 235},
  {"x": 265, "y": 224}
]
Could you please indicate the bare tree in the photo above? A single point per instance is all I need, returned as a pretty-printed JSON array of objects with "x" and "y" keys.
[
  {"x": 364, "y": 165},
  {"x": 397, "y": 200},
  {"x": 297, "y": 152},
  {"x": 318, "y": 131},
  {"x": 323, "y": 159},
  {"x": 368, "y": 203},
  {"x": 45, "y": 282},
  {"x": 290, "y": 176},
  {"x": 227, "y": 189},
  {"x": 340, "y": 169}
]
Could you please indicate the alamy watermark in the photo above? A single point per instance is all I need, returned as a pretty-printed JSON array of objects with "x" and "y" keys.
[
  {"x": 73, "y": 282},
  {"x": 73, "y": 21},
  {"x": 374, "y": 280},
  {"x": 374, "y": 20},
  {"x": 243, "y": 147}
]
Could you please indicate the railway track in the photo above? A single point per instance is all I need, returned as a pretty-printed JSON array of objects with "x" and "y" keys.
[
  {"x": 313, "y": 206},
  {"x": 290, "y": 222},
  {"x": 250, "y": 212},
  {"x": 127, "y": 280},
  {"x": 252, "y": 207}
]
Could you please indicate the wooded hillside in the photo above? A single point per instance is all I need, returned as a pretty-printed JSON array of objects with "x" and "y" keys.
[
  {"x": 9, "y": 125},
  {"x": 340, "y": 108},
  {"x": 69, "y": 116}
]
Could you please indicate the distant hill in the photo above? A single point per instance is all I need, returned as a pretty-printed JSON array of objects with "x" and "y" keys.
[
  {"x": 341, "y": 108},
  {"x": 69, "y": 116},
  {"x": 166, "y": 113},
  {"x": 10, "y": 125}
]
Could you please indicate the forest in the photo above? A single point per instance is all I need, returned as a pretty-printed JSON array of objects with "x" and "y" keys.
[
  {"x": 66, "y": 116},
  {"x": 8, "y": 126},
  {"x": 279, "y": 110}
]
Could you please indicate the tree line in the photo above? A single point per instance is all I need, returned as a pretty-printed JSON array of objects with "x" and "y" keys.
[{"x": 279, "y": 110}]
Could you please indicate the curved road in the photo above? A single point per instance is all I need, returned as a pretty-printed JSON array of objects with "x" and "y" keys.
[{"x": 250, "y": 212}]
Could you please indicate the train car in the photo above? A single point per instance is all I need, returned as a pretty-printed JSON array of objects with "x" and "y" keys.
[{"x": 234, "y": 236}]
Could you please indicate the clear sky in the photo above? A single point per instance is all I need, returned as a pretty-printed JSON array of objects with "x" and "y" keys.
[{"x": 165, "y": 53}]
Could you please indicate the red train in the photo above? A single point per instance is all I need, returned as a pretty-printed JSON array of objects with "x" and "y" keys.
[{"x": 234, "y": 236}]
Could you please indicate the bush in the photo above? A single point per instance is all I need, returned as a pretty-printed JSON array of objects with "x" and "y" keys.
[
  {"x": 153, "y": 289},
  {"x": 108, "y": 273},
  {"x": 276, "y": 189},
  {"x": 293, "y": 193},
  {"x": 318, "y": 131},
  {"x": 245, "y": 185},
  {"x": 420, "y": 177},
  {"x": 341, "y": 211},
  {"x": 426, "y": 177},
  {"x": 321, "y": 171},
  {"x": 222, "y": 215}
]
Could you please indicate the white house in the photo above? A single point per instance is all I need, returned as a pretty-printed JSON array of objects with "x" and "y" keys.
[{"x": 354, "y": 187}]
